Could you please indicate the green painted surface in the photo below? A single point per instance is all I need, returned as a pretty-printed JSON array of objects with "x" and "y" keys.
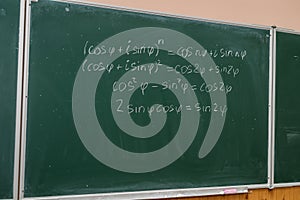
[
  {"x": 9, "y": 30},
  {"x": 57, "y": 161},
  {"x": 287, "y": 144}
]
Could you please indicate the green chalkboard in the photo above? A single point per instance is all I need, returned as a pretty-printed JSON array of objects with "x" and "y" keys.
[
  {"x": 287, "y": 140},
  {"x": 122, "y": 101},
  {"x": 9, "y": 30}
]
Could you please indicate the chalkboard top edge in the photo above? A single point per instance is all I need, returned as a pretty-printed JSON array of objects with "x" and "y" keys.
[
  {"x": 284, "y": 30},
  {"x": 158, "y": 13}
]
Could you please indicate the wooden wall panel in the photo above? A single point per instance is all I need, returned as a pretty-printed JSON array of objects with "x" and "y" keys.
[{"x": 290, "y": 193}]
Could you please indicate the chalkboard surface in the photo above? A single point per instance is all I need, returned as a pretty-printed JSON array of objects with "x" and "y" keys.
[
  {"x": 123, "y": 101},
  {"x": 287, "y": 144},
  {"x": 9, "y": 29}
]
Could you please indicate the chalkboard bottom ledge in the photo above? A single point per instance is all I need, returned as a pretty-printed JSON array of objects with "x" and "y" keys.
[
  {"x": 279, "y": 185},
  {"x": 154, "y": 194}
]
